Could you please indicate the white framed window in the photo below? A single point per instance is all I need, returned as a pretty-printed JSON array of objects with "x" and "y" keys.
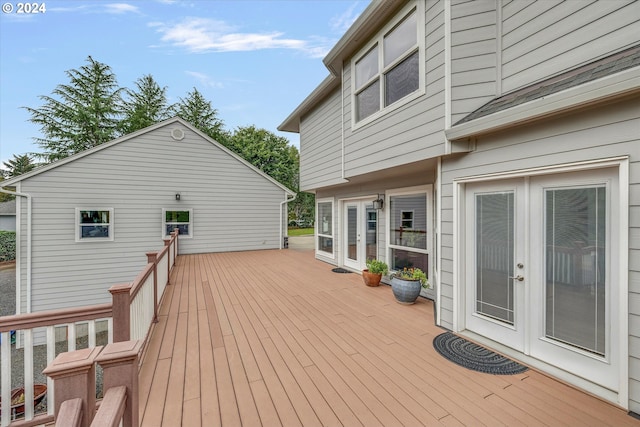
[
  {"x": 389, "y": 71},
  {"x": 94, "y": 224},
  {"x": 410, "y": 228},
  {"x": 181, "y": 219},
  {"x": 325, "y": 227}
]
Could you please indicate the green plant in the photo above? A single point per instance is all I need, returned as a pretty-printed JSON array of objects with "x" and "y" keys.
[
  {"x": 7, "y": 245},
  {"x": 377, "y": 267},
  {"x": 413, "y": 273}
]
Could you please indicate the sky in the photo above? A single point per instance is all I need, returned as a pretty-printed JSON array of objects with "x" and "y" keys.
[{"x": 255, "y": 61}]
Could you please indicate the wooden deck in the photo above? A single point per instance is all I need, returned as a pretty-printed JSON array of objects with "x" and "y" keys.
[{"x": 274, "y": 338}]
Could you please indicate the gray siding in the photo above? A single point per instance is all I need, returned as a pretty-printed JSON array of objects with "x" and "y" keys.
[
  {"x": 595, "y": 133},
  {"x": 408, "y": 133},
  {"x": 321, "y": 145},
  {"x": 234, "y": 208},
  {"x": 499, "y": 46}
]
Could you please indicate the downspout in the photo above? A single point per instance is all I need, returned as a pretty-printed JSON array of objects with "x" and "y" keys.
[
  {"x": 281, "y": 210},
  {"x": 28, "y": 196}
]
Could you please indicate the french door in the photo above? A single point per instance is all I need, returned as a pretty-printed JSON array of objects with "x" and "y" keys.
[
  {"x": 539, "y": 275},
  {"x": 360, "y": 233}
]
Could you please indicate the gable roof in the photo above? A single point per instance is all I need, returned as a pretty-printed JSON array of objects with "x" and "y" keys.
[{"x": 104, "y": 146}]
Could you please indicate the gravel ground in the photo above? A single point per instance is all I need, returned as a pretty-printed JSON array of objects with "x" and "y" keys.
[{"x": 7, "y": 308}]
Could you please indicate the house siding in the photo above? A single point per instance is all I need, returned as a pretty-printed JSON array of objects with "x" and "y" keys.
[
  {"x": 593, "y": 133},
  {"x": 139, "y": 177},
  {"x": 321, "y": 145},
  {"x": 410, "y": 132},
  {"x": 500, "y": 46}
]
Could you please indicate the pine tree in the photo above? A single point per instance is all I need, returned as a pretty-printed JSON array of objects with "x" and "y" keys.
[
  {"x": 144, "y": 106},
  {"x": 18, "y": 165},
  {"x": 196, "y": 110},
  {"x": 79, "y": 115}
]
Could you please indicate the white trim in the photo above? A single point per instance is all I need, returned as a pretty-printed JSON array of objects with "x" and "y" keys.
[
  {"x": 79, "y": 224},
  {"x": 499, "y": 32},
  {"x": 438, "y": 236},
  {"x": 447, "y": 71},
  {"x": 623, "y": 279},
  {"x": 378, "y": 40},
  {"x": 622, "y": 83},
  {"x": 333, "y": 229}
]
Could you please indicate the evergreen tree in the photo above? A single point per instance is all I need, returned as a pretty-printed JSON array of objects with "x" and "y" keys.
[
  {"x": 144, "y": 106},
  {"x": 79, "y": 115},
  {"x": 18, "y": 165},
  {"x": 196, "y": 110}
]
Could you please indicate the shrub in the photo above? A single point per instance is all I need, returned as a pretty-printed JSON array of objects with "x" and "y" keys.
[{"x": 7, "y": 245}]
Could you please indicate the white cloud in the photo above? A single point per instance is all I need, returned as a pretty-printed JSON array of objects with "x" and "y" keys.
[
  {"x": 201, "y": 35},
  {"x": 205, "y": 80},
  {"x": 341, "y": 23},
  {"x": 119, "y": 8}
]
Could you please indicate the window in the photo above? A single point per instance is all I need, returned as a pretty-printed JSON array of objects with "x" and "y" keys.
[
  {"x": 182, "y": 220},
  {"x": 94, "y": 224},
  {"x": 409, "y": 229},
  {"x": 390, "y": 68},
  {"x": 325, "y": 227}
]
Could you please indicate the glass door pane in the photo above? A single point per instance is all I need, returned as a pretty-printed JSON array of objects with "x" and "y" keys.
[
  {"x": 352, "y": 233},
  {"x": 575, "y": 263},
  {"x": 495, "y": 255},
  {"x": 371, "y": 232}
]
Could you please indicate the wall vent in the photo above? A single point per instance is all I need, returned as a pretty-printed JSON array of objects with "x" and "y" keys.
[{"x": 177, "y": 134}]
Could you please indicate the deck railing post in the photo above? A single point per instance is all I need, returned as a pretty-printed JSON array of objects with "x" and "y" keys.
[
  {"x": 152, "y": 258},
  {"x": 120, "y": 295},
  {"x": 167, "y": 242},
  {"x": 119, "y": 362},
  {"x": 74, "y": 376}
]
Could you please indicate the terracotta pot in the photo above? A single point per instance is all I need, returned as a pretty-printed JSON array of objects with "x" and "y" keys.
[
  {"x": 405, "y": 291},
  {"x": 371, "y": 279}
]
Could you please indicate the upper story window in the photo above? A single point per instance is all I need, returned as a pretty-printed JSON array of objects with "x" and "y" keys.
[
  {"x": 94, "y": 224},
  {"x": 390, "y": 68}
]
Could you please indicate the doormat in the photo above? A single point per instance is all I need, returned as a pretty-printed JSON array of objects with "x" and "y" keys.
[
  {"x": 475, "y": 357},
  {"x": 340, "y": 270}
]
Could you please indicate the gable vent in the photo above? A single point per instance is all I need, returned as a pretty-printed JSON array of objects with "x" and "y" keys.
[{"x": 177, "y": 134}]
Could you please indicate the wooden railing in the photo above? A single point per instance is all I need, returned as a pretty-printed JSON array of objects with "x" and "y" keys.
[{"x": 130, "y": 315}]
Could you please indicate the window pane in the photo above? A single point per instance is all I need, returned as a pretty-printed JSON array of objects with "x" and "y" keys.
[
  {"x": 325, "y": 218},
  {"x": 368, "y": 101},
  {"x": 183, "y": 229},
  {"x": 177, "y": 216},
  {"x": 401, "y": 258},
  {"x": 367, "y": 67},
  {"x": 575, "y": 260},
  {"x": 94, "y": 217},
  {"x": 400, "y": 39},
  {"x": 88, "y": 231},
  {"x": 402, "y": 79},
  {"x": 325, "y": 244},
  {"x": 409, "y": 220},
  {"x": 495, "y": 255}
]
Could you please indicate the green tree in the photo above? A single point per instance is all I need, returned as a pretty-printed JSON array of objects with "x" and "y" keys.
[
  {"x": 79, "y": 115},
  {"x": 144, "y": 106},
  {"x": 195, "y": 109},
  {"x": 18, "y": 165}
]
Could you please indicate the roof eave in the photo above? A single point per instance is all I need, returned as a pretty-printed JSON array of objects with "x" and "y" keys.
[
  {"x": 292, "y": 123},
  {"x": 608, "y": 88}
]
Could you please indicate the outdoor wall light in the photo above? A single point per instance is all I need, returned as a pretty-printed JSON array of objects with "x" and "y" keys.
[
  {"x": 378, "y": 203},
  {"x": 178, "y": 197}
]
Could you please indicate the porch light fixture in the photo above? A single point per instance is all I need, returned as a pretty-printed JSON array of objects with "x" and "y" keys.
[
  {"x": 378, "y": 203},
  {"x": 178, "y": 197}
]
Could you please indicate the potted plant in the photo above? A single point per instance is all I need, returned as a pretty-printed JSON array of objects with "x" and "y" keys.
[
  {"x": 374, "y": 272},
  {"x": 407, "y": 283}
]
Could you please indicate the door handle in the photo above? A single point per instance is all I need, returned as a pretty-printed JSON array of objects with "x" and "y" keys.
[{"x": 518, "y": 278}]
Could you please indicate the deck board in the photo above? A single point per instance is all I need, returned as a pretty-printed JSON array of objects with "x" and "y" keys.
[{"x": 274, "y": 338}]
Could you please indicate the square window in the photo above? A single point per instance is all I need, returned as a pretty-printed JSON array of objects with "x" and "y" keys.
[
  {"x": 181, "y": 220},
  {"x": 94, "y": 224}
]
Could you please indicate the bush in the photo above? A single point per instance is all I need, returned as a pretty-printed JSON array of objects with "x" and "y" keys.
[{"x": 7, "y": 245}]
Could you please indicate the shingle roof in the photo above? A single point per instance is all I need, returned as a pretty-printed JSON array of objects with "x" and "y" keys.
[{"x": 620, "y": 61}]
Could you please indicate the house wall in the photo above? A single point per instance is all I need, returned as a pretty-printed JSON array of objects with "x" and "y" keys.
[
  {"x": 411, "y": 132},
  {"x": 234, "y": 208},
  {"x": 500, "y": 46},
  {"x": 7, "y": 223},
  {"x": 595, "y": 133},
  {"x": 321, "y": 145}
]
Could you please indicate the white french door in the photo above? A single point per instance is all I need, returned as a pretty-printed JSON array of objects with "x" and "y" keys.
[
  {"x": 539, "y": 275},
  {"x": 360, "y": 233}
]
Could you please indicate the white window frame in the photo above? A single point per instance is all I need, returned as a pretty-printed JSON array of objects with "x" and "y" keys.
[
  {"x": 378, "y": 40},
  {"x": 428, "y": 191},
  {"x": 79, "y": 224},
  {"x": 318, "y": 224},
  {"x": 164, "y": 222}
]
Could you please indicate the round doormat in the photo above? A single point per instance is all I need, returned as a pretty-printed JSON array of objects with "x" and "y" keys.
[{"x": 473, "y": 356}]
